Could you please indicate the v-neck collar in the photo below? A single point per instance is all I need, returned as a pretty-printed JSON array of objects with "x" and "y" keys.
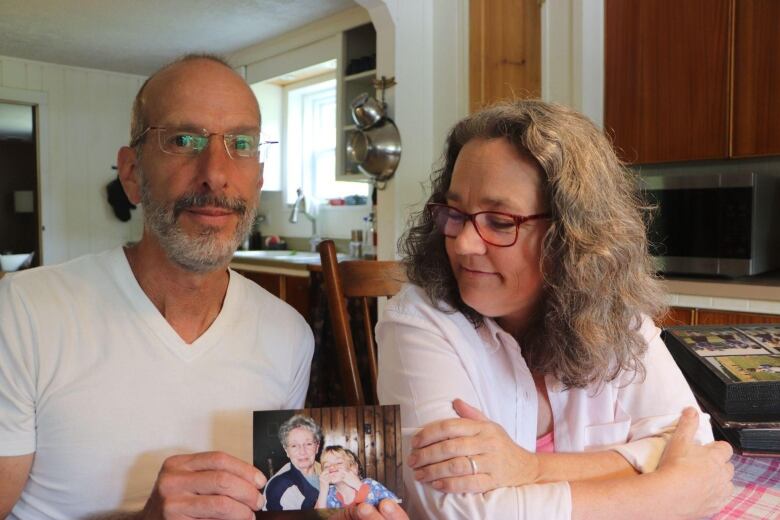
[{"x": 156, "y": 323}]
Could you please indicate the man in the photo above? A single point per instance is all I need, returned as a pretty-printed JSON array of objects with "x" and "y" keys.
[{"x": 127, "y": 378}]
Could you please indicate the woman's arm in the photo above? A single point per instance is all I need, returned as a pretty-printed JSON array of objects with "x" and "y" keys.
[
  {"x": 692, "y": 481},
  {"x": 441, "y": 452}
]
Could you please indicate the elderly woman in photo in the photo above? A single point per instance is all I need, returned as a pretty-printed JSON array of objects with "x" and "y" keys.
[
  {"x": 531, "y": 299},
  {"x": 296, "y": 485}
]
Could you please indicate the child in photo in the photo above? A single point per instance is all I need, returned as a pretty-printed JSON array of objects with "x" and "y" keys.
[{"x": 340, "y": 482}]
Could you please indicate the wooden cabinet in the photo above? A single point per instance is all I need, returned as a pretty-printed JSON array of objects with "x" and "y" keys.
[
  {"x": 666, "y": 78},
  {"x": 505, "y": 50},
  {"x": 756, "y": 109},
  {"x": 692, "y": 80},
  {"x": 713, "y": 317},
  {"x": 291, "y": 289},
  {"x": 677, "y": 316},
  {"x": 688, "y": 316}
]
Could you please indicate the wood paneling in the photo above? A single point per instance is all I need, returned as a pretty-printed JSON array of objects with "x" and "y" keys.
[
  {"x": 756, "y": 105},
  {"x": 87, "y": 119},
  {"x": 666, "y": 78},
  {"x": 373, "y": 433},
  {"x": 505, "y": 54},
  {"x": 712, "y": 317}
]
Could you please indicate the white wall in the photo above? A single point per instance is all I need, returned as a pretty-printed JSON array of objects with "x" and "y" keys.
[
  {"x": 424, "y": 44},
  {"x": 573, "y": 55},
  {"x": 85, "y": 116}
]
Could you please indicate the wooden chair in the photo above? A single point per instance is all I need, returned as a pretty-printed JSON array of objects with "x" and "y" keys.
[{"x": 361, "y": 279}]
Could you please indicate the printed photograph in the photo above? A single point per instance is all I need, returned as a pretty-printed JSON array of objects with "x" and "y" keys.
[
  {"x": 766, "y": 336},
  {"x": 322, "y": 460},
  {"x": 720, "y": 342},
  {"x": 752, "y": 368}
]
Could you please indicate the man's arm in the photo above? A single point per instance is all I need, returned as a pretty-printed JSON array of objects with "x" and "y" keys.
[{"x": 13, "y": 475}]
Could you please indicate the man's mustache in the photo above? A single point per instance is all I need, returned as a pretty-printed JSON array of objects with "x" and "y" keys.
[{"x": 194, "y": 200}]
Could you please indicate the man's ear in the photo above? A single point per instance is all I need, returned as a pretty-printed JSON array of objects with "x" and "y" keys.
[
  {"x": 127, "y": 166},
  {"x": 260, "y": 177}
]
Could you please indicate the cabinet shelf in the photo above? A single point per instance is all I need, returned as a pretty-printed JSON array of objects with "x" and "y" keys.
[{"x": 361, "y": 75}]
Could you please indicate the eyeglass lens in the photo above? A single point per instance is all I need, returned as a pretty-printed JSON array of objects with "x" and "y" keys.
[
  {"x": 494, "y": 228},
  {"x": 187, "y": 142}
]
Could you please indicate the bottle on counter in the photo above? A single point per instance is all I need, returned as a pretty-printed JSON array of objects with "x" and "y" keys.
[
  {"x": 369, "y": 238},
  {"x": 356, "y": 244}
]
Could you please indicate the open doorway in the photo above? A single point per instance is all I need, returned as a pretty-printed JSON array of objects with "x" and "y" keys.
[{"x": 19, "y": 211}]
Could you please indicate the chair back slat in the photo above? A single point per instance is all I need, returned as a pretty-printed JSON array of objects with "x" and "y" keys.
[
  {"x": 368, "y": 329},
  {"x": 362, "y": 279},
  {"x": 371, "y": 278}
]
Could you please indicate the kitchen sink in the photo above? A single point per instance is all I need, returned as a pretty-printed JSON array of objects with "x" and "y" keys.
[{"x": 297, "y": 257}]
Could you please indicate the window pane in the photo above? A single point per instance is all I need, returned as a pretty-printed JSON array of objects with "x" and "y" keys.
[{"x": 311, "y": 143}]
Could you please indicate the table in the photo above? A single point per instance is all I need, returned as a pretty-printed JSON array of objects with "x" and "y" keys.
[{"x": 756, "y": 494}]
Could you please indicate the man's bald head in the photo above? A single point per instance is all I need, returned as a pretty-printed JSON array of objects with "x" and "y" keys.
[{"x": 140, "y": 118}]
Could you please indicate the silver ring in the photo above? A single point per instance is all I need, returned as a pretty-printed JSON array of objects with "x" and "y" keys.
[{"x": 473, "y": 465}]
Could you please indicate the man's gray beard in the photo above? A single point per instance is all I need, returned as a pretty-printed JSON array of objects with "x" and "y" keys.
[{"x": 205, "y": 251}]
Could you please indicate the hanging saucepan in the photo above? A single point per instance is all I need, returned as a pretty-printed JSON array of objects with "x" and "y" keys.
[
  {"x": 376, "y": 151},
  {"x": 366, "y": 111}
]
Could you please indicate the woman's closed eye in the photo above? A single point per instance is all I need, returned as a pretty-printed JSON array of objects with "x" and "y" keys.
[{"x": 498, "y": 222}]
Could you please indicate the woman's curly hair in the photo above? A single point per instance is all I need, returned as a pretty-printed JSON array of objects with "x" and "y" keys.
[{"x": 598, "y": 278}]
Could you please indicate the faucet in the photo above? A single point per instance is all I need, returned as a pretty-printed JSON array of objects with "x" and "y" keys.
[{"x": 298, "y": 206}]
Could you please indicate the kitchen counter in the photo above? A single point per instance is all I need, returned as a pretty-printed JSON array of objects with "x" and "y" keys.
[
  {"x": 292, "y": 263},
  {"x": 760, "y": 293}
]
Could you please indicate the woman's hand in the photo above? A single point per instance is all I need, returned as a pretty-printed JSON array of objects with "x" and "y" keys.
[
  {"x": 701, "y": 474},
  {"x": 441, "y": 452}
]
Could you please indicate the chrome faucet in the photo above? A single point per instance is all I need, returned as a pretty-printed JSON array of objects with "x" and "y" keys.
[{"x": 300, "y": 206}]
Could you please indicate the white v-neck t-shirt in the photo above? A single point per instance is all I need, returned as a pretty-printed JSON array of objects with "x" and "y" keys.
[{"x": 102, "y": 389}]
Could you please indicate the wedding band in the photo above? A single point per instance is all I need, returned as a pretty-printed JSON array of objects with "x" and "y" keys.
[{"x": 473, "y": 465}]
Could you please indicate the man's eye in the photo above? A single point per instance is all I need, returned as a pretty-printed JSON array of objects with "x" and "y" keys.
[
  {"x": 183, "y": 141},
  {"x": 243, "y": 142}
]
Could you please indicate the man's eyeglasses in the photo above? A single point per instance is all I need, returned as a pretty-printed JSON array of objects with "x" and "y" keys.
[
  {"x": 494, "y": 227},
  {"x": 178, "y": 141},
  {"x": 306, "y": 446}
]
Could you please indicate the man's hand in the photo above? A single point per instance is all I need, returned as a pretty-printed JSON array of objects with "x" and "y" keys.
[
  {"x": 388, "y": 510},
  {"x": 206, "y": 485},
  {"x": 443, "y": 451}
]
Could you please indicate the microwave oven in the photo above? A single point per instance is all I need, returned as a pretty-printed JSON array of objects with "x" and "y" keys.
[{"x": 725, "y": 224}]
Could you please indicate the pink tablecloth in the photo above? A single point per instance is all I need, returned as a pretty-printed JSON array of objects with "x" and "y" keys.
[{"x": 756, "y": 490}]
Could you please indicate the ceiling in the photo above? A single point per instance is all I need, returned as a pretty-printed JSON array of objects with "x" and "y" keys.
[{"x": 138, "y": 36}]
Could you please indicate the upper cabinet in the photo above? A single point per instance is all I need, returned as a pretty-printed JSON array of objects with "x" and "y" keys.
[
  {"x": 756, "y": 108},
  {"x": 356, "y": 75},
  {"x": 666, "y": 79},
  {"x": 504, "y": 50},
  {"x": 692, "y": 80}
]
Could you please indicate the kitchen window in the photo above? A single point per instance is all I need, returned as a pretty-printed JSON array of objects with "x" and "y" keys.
[{"x": 301, "y": 113}]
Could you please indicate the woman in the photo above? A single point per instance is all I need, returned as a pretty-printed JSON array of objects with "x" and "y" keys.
[
  {"x": 296, "y": 485},
  {"x": 531, "y": 299},
  {"x": 341, "y": 484}
]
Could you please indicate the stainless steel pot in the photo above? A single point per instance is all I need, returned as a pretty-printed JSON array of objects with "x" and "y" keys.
[
  {"x": 377, "y": 150},
  {"x": 366, "y": 111}
]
